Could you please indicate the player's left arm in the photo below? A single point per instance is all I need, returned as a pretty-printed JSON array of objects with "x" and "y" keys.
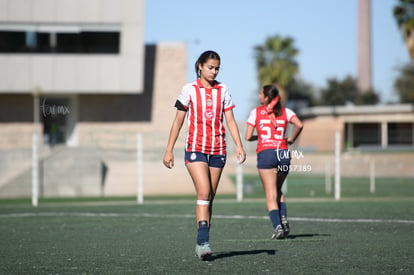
[
  {"x": 234, "y": 131},
  {"x": 298, "y": 129}
]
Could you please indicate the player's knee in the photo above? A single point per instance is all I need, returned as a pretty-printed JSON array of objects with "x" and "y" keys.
[{"x": 203, "y": 195}]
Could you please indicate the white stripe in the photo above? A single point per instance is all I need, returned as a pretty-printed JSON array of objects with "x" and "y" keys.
[
  {"x": 195, "y": 120},
  {"x": 221, "y": 126},
  {"x": 219, "y": 133},
  {"x": 203, "y": 108},
  {"x": 224, "y": 217}
]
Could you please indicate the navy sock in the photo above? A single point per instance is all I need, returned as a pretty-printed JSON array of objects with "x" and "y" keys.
[
  {"x": 202, "y": 232},
  {"x": 283, "y": 209},
  {"x": 274, "y": 217}
]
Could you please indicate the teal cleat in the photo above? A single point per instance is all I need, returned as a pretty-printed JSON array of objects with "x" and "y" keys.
[{"x": 203, "y": 251}]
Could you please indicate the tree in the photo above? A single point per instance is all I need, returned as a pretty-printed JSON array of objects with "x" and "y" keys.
[
  {"x": 340, "y": 92},
  {"x": 301, "y": 93},
  {"x": 276, "y": 63},
  {"x": 404, "y": 84},
  {"x": 369, "y": 97},
  {"x": 404, "y": 15}
]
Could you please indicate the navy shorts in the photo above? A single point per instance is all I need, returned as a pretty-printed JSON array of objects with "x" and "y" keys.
[
  {"x": 217, "y": 161},
  {"x": 271, "y": 158}
]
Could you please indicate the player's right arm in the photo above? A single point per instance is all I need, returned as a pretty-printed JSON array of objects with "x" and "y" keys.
[
  {"x": 181, "y": 104},
  {"x": 175, "y": 131}
]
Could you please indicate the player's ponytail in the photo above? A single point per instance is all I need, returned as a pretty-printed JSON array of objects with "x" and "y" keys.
[
  {"x": 203, "y": 59},
  {"x": 274, "y": 108}
]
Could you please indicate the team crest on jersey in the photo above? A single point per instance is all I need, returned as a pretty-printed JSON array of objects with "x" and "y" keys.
[
  {"x": 209, "y": 102},
  {"x": 263, "y": 112},
  {"x": 209, "y": 115}
]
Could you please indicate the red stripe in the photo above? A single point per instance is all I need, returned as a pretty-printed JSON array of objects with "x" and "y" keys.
[
  {"x": 229, "y": 108},
  {"x": 219, "y": 125},
  {"x": 209, "y": 122}
]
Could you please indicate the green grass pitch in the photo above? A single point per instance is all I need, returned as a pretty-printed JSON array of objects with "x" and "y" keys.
[{"x": 364, "y": 234}]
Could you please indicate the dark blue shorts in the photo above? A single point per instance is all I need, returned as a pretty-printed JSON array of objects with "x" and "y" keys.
[
  {"x": 217, "y": 161},
  {"x": 270, "y": 158}
]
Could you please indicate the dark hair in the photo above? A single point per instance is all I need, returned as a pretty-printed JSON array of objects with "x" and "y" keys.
[
  {"x": 203, "y": 59},
  {"x": 272, "y": 92}
]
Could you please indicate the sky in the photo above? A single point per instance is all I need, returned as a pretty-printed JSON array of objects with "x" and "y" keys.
[{"x": 324, "y": 31}]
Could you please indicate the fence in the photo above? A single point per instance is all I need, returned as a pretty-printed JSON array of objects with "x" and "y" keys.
[{"x": 114, "y": 165}]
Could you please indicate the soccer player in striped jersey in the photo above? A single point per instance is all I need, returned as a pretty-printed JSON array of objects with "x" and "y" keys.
[
  {"x": 273, "y": 156},
  {"x": 205, "y": 102}
]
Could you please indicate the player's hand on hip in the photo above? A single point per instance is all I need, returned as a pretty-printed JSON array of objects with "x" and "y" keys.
[{"x": 168, "y": 160}]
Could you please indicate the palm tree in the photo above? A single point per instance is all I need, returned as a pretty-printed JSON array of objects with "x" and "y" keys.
[
  {"x": 276, "y": 63},
  {"x": 404, "y": 15}
]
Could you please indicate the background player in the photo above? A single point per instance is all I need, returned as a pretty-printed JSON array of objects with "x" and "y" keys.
[
  {"x": 273, "y": 157},
  {"x": 205, "y": 102}
]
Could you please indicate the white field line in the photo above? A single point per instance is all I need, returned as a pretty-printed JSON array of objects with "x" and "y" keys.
[{"x": 229, "y": 217}]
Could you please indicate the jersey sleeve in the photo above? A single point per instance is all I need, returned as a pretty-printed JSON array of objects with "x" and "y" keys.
[
  {"x": 184, "y": 97},
  {"x": 228, "y": 101},
  {"x": 251, "y": 120},
  {"x": 289, "y": 114}
]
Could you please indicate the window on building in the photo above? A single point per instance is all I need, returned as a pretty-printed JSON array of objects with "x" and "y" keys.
[
  {"x": 367, "y": 134},
  {"x": 12, "y": 41},
  {"x": 87, "y": 42},
  {"x": 400, "y": 133},
  {"x": 55, "y": 39}
]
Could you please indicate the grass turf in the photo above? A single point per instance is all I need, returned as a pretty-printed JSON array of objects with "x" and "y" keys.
[
  {"x": 367, "y": 236},
  {"x": 314, "y": 187}
]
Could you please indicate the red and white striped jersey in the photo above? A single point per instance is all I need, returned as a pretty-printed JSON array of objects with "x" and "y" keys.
[
  {"x": 205, "y": 112},
  {"x": 269, "y": 136}
]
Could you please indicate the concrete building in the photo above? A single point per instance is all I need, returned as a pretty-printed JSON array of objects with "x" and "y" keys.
[
  {"x": 80, "y": 57},
  {"x": 79, "y": 73},
  {"x": 379, "y": 127}
]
